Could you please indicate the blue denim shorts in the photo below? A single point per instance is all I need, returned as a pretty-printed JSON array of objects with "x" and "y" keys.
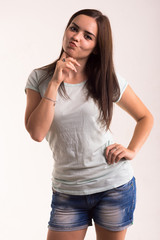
[{"x": 112, "y": 209}]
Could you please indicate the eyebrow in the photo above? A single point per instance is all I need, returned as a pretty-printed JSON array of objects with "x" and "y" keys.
[{"x": 84, "y": 30}]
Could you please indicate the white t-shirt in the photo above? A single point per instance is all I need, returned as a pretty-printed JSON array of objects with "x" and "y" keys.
[{"x": 78, "y": 142}]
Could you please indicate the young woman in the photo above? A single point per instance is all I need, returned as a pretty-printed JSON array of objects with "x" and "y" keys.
[{"x": 70, "y": 103}]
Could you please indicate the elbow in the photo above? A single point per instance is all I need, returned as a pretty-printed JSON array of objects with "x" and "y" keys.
[
  {"x": 151, "y": 119},
  {"x": 35, "y": 134},
  {"x": 36, "y": 137}
]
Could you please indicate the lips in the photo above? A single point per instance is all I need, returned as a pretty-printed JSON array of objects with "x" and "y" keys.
[{"x": 72, "y": 44}]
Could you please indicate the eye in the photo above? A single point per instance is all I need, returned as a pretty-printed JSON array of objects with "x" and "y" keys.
[
  {"x": 87, "y": 37},
  {"x": 73, "y": 29}
]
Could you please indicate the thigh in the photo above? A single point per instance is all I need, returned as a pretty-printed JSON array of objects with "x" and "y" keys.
[
  {"x": 103, "y": 234},
  {"x": 114, "y": 211},
  {"x": 69, "y": 213},
  {"x": 73, "y": 235}
]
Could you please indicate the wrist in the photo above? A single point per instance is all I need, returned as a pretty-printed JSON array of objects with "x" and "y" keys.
[
  {"x": 54, "y": 85},
  {"x": 133, "y": 150}
]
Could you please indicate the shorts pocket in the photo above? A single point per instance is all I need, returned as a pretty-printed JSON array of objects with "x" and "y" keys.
[{"x": 126, "y": 186}]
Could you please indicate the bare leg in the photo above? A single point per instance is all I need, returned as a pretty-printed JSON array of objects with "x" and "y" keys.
[
  {"x": 103, "y": 234},
  {"x": 74, "y": 235}
]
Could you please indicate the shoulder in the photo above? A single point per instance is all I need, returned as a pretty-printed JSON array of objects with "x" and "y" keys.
[
  {"x": 36, "y": 74},
  {"x": 34, "y": 79}
]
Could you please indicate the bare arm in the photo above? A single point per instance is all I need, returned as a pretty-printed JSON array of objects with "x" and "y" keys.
[
  {"x": 134, "y": 106},
  {"x": 40, "y": 111}
]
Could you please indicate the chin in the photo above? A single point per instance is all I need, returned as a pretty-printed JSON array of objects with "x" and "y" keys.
[{"x": 70, "y": 52}]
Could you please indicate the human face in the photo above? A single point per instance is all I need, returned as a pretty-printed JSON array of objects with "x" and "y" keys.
[{"x": 80, "y": 37}]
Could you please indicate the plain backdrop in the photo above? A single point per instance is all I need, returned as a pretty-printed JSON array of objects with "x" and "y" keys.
[{"x": 31, "y": 37}]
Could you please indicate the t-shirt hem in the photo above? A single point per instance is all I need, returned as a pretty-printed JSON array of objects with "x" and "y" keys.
[
  {"x": 32, "y": 88},
  {"x": 122, "y": 91},
  {"x": 93, "y": 191}
]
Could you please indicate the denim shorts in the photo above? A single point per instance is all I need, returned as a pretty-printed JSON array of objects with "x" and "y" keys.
[{"x": 112, "y": 209}]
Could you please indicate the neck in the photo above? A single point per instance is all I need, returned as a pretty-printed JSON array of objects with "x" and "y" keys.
[
  {"x": 82, "y": 62},
  {"x": 76, "y": 77}
]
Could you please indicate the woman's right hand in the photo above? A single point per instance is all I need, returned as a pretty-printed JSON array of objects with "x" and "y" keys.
[{"x": 64, "y": 66}]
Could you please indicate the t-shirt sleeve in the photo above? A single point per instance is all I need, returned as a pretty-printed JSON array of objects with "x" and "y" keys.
[
  {"x": 32, "y": 82},
  {"x": 122, "y": 84}
]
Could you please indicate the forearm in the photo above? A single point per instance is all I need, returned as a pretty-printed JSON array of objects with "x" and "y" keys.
[
  {"x": 141, "y": 132},
  {"x": 41, "y": 118},
  {"x": 115, "y": 152}
]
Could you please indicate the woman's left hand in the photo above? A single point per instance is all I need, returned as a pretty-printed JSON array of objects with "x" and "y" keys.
[{"x": 115, "y": 152}]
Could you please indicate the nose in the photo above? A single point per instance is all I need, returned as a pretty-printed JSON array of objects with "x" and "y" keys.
[{"x": 77, "y": 36}]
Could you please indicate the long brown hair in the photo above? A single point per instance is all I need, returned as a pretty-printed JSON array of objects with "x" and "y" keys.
[{"x": 102, "y": 83}]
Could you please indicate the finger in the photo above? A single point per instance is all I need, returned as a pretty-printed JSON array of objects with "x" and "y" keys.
[
  {"x": 120, "y": 156},
  {"x": 109, "y": 148},
  {"x": 110, "y": 156},
  {"x": 71, "y": 60},
  {"x": 117, "y": 155},
  {"x": 68, "y": 58},
  {"x": 71, "y": 66},
  {"x": 74, "y": 61},
  {"x": 113, "y": 153},
  {"x": 64, "y": 55}
]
